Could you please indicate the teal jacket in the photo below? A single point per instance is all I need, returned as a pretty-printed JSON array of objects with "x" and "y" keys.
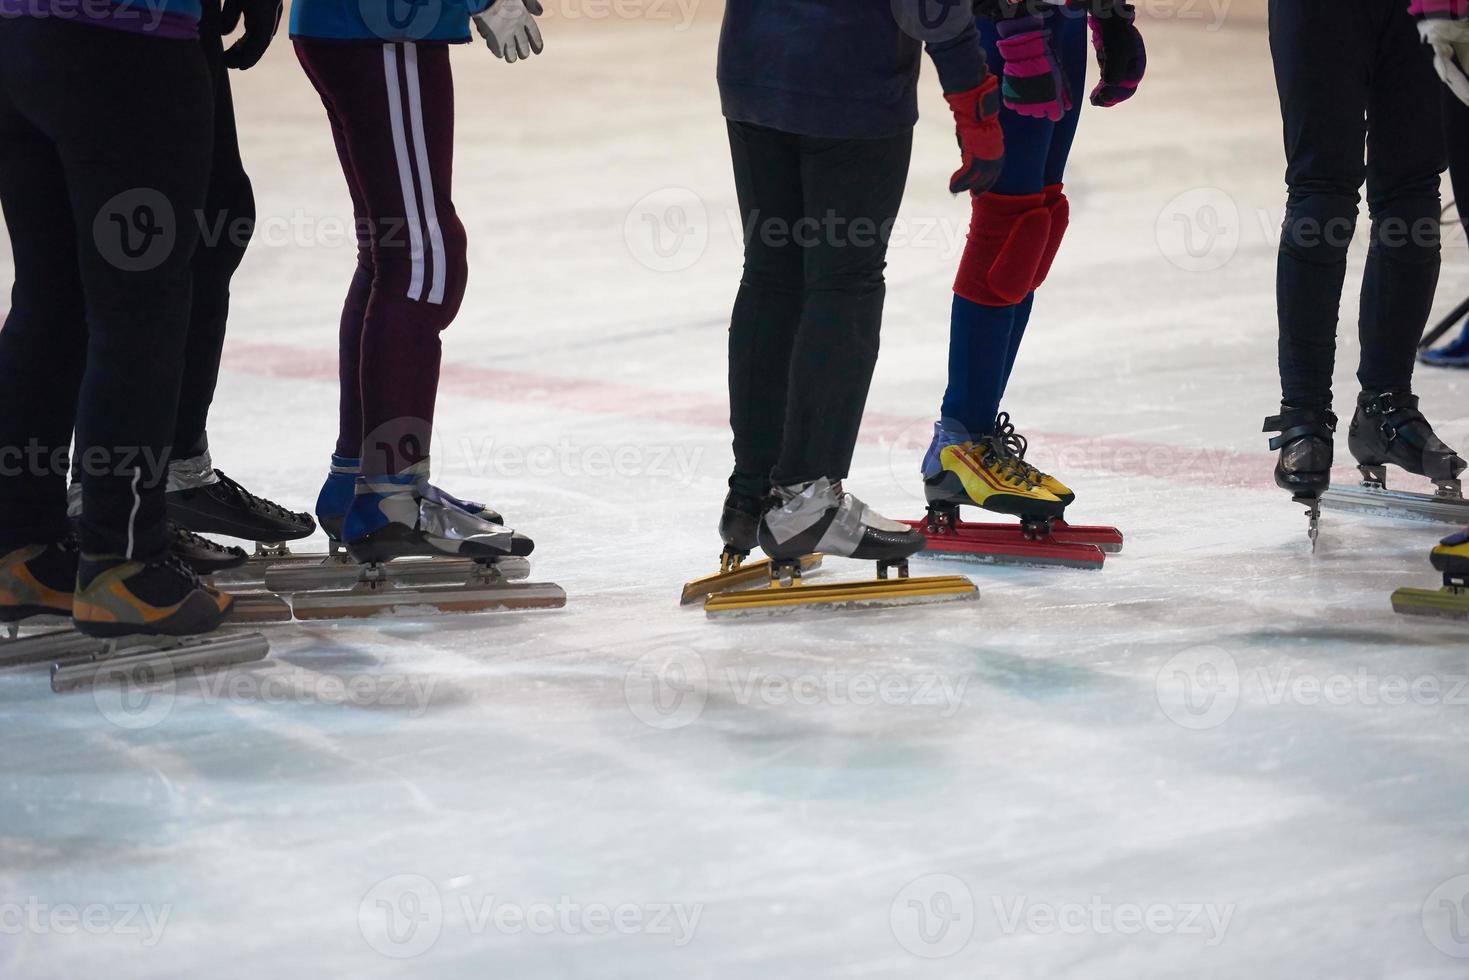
[{"x": 445, "y": 21}]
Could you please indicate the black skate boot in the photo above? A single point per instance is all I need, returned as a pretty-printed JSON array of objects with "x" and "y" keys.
[
  {"x": 1389, "y": 428},
  {"x": 1306, "y": 450},
  {"x": 822, "y": 517},
  {"x": 1305, "y": 444},
  {"x": 203, "y": 500},
  {"x": 118, "y": 597},
  {"x": 205, "y": 557},
  {"x": 747, "y": 499}
]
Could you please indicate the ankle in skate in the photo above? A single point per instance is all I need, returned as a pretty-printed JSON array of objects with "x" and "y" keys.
[
  {"x": 118, "y": 596},
  {"x": 340, "y": 486},
  {"x": 822, "y": 517},
  {"x": 747, "y": 499},
  {"x": 1388, "y": 428},
  {"x": 1306, "y": 449},
  {"x": 401, "y": 515},
  {"x": 38, "y": 580}
]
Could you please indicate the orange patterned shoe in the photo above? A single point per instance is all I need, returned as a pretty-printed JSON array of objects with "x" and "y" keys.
[
  {"x": 38, "y": 580},
  {"x": 119, "y": 597}
]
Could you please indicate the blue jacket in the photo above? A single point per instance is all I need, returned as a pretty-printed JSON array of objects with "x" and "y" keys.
[
  {"x": 845, "y": 69},
  {"x": 385, "y": 20}
]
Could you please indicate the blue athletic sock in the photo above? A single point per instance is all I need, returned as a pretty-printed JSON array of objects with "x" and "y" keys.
[
  {"x": 1017, "y": 334},
  {"x": 980, "y": 352}
]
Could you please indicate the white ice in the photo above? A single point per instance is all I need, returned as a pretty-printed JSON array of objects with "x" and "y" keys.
[{"x": 1221, "y": 756}]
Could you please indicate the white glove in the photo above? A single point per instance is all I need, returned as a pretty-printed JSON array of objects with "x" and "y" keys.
[
  {"x": 1450, "y": 42},
  {"x": 509, "y": 27}
]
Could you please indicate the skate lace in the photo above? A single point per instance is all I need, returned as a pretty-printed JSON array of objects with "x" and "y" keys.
[
  {"x": 187, "y": 537},
  {"x": 994, "y": 456},
  {"x": 1016, "y": 445},
  {"x": 269, "y": 507}
]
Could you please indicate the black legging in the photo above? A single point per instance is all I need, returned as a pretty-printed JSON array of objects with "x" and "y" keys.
[
  {"x": 818, "y": 214},
  {"x": 101, "y": 189},
  {"x": 1349, "y": 70},
  {"x": 228, "y": 222}
]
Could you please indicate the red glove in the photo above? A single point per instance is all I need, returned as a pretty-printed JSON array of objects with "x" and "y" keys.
[{"x": 982, "y": 144}]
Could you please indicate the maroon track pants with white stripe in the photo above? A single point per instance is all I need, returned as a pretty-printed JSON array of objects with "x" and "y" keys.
[{"x": 391, "y": 108}]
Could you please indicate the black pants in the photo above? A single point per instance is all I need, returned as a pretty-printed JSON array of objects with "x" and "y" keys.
[
  {"x": 1350, "y": 71},
  {"x": 803, "y": 341},
  {"x": 227, "y": 223},
  {"x": 101, "y": 187}
]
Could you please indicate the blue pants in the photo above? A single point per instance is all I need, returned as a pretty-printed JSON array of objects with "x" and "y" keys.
[{"x": 984, "y": 340}]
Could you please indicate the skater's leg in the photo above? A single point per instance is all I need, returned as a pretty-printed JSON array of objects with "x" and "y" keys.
[
  {"x": 394, "y": 105},
  {"x": 767, "y": 311},
  {"x": 1455, "y": 353},
  {"x": 228, "y": 222},
  {"x": 1405, "y": 155},
  {"x": 1322, "y": 51},
  {"x": 852, "y": 189},
  {"x": 1072, "y": 44},
  {"x": 134, "y": 247},
  {"x": 43, "y": 340}
]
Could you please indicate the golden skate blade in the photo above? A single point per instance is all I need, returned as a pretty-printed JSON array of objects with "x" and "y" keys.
[
  {"x": 1398, "y": 504},
  {"x": 258, "y": 607},
  {"x": 1445, "y": 603},
  {"x": 154, "y": 659},
  {"x": 878, "y": 592},
  {"x": 363, "y": 601},
  {"x": 747, "y": 575},
  {"x": 343, "y": 573}
]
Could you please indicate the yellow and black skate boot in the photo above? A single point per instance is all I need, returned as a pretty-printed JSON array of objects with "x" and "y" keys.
[
  {"x": 38, "y": 580},
  {"x": 1452, "y": 557},
  {"x": 119, "y": 597},
  {"x": 1017, "y": 445},
  {"x": 987, "y": 474}
]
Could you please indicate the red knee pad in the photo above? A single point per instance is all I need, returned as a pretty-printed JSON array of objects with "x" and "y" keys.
[
  {"x": 1060, "y": 209},
  {"x": 1008, "y": 234}
]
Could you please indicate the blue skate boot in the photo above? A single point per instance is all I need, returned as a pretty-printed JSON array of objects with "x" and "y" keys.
[
  {"x": 340, "y": 487},
  {"x": 402, "y": 515},
  {"x": 1454, "y": 354}
]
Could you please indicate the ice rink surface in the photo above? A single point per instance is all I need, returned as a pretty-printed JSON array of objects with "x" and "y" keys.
[{"x": 1219, "y": 757}]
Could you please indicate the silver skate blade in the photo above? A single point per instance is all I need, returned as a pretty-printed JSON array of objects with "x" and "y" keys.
[
  {"x": 252, "y": 573},
  {"x": 1398, "y": 504},
  {"x": 342, "y": 573},
  {"x": 55, "y": 645},
  {"x": 375, "y": 599},
  {"x": 147, "y": 659},
  {"x": 258, "y": 607}
]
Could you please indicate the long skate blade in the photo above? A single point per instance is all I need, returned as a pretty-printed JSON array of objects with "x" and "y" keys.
[
  {"x": 50, "y": 646},
  {"x": 259, "y": 607},
  {"x": 1398, "y": 504},
  {"x": 1445, "y": 603},
  {"x": 751, "y": 574},
  {"x": 338, "y": 574},
  {"x": 364, "y": 601},
  {"x": 1006, "y": 544},
  {"x": 878, "y": 592},
  {"x": 1109, "y": 539},
  {"x": 151, "y": 657}
]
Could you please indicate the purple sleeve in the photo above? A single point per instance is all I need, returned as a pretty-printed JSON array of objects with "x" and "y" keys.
[
  {"x": 1455, "y": 9},
  {"x": 960, "y": 61}
]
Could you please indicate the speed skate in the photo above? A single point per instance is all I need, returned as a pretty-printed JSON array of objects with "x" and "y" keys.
[
  {"x": 1451, "y": 558},
  {"x": 796, "y": 527}
]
